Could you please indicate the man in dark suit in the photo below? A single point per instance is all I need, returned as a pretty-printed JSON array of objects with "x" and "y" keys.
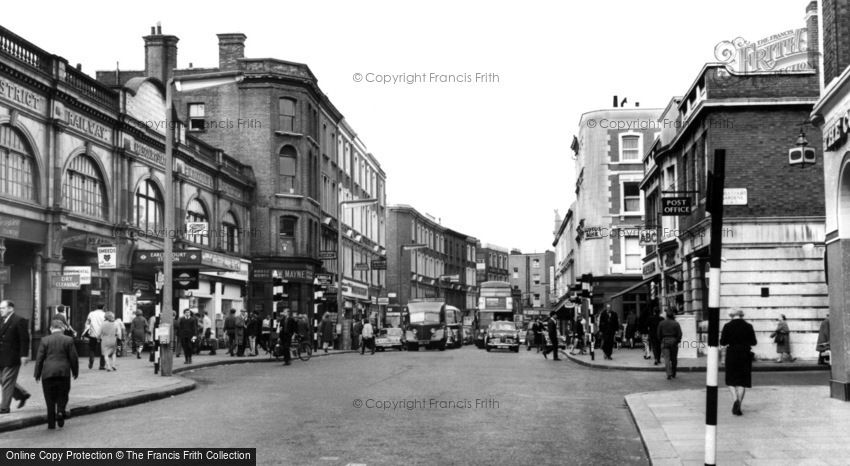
[
  {"x": 609, "y": 323},
  {"x": 552, "y": 329},
  {"x": 230, "y": 331},
  {"x": 288, "y": 328},
  {"x": 55, "y": 363},
  {"x": 187, "y": 328},
  {"x": 14, "y": 348}
]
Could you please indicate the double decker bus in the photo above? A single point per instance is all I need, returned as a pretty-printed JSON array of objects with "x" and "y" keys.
[
  {"x": 432, "y": 324},
  {"x": 494, "y": 304}
]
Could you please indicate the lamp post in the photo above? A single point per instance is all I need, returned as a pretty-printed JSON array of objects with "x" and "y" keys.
[
  {"x": 402, "y": 248},
  {"x": 183, "y": 83},
  {"x": 340, "y": 308}
]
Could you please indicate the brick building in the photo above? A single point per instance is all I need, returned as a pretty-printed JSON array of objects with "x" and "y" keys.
[
  {"x": 532, "y": 274},
  {"x": 461, "y": 287},
  {"x": 491, "y": 263},
  {"x": 308, "y": 160},
  {"x": 773, "y": 212}
]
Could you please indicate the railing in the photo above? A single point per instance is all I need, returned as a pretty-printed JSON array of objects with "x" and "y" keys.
[
  {"x": 90, "y": 88},
  {"x": 20, "y": 50}
]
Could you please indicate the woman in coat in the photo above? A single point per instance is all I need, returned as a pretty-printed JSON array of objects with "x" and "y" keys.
[
  {"x": 326, "y": 330},
  {"x": 138, "y": 331},
  {"x": 781, "y": 336},
  {"x": 109, "y": 340},
  {"x": 738, "y": 337}
]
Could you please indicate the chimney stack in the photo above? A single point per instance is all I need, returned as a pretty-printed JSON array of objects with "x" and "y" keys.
[
  {"x": 616, "y": 102},
  {"x": 160, "y": 55},
  {"x": 812, "y": 26},
  {"x": 231, "y": 47}
]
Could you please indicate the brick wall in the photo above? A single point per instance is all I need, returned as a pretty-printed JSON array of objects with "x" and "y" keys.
[{"x": 836, "y": 37}]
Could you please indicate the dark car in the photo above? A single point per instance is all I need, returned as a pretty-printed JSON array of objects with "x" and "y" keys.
[
  {"x": 502, "y": 335},
  {"x": 389, "y": 338}
]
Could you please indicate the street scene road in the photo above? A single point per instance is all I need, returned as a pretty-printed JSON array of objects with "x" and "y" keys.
[{"x": 531, "y": 411}]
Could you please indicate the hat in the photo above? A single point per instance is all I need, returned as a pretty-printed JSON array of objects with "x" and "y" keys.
[{"x": 736, "y": 312}]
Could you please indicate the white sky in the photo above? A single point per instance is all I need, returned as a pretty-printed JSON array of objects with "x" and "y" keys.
[{"x": 490, "y": 160}]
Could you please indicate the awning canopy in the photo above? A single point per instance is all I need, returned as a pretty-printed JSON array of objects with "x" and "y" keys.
[{"x": 634, "y": 287}]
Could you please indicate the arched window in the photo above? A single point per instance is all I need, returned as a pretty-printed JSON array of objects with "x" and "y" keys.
[
  {"x": 231, "y": 233},
  {"x": 195, "y": 212},
  {"x": 287, "y": 168},
  {"x": 147, "y": 208},
  {"x": 17, "y": 177},
  {"x": 83, "y": 188}
]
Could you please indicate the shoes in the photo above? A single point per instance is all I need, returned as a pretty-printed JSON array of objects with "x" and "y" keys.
[
  {"x": 544, "y": 355},
  {"x": 23, "y": 401},
  {"x": 736, "y": 408},
  {"x": 657, "y": 362},
  {"x": 60, "y": 419},
  {"x": 287, "y": 363},
  {"x": 669, "y": 377},
  {"x": 49, "y": 427},
  {"x": 91, "y": 363},
  {"x": 101, "y": 368},
  {"x": 4, "y": 411},
  {"x": 138, "y": 356}
]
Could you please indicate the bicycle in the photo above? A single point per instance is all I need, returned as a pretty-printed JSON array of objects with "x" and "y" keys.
[{"x": 301, "y": 349}]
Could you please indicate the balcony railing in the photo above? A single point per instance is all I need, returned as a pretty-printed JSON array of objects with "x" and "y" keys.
[
  {"x": 90, "y": 88},
  {"x": 20, "y": 50}
]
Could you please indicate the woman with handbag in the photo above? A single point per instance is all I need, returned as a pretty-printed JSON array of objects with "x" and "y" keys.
[{"x": 781, "y": 338}]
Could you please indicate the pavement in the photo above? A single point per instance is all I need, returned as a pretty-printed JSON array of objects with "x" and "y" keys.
[
  {"x": 781, "y": 425},
  {"x": 632, "y": 360},
  {"x": 134, "y": 382}
]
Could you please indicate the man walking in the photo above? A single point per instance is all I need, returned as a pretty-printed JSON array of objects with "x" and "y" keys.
[
  {"x": 55, "y": 363},
  {"x": 14, "y": 347},
  {"x": 188, "y": 329},
  {"x": 368, "y": 336},
  {"x": 326, "y": 331},
  {"x": 241, "y": 335},
  {"x": 670, "y": 334},
  {"x": 94, "y": 324},
  {"x": 356, "y": 331},
  {"x": 654, "y": 342},
  {"x": 609, "y": 323},
  {"x": 230, "y": 331},
  {"x": 552, "y": 329}
]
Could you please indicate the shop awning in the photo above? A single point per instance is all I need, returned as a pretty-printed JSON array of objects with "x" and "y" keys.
[{"x": 633, "y": 288}]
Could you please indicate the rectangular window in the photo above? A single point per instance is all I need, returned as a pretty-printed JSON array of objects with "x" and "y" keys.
[
  {"x": 286, "y": 236},
  {"x": 634, "y": 253},
  {"x": 536, "y": 278},
  {"x": 286, "y": 113},
  {"x": 631, "y": 148},
  {"x": 196, "y": 117},
  {"x": 535, "y": 263},
  {"x": 631, "y": 196}
]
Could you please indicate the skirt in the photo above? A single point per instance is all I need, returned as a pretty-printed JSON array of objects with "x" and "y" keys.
[{"x": 739, "y": 366}]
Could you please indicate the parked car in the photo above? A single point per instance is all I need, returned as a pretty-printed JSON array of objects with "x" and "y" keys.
[
  {"x": 502, "y": 334},
  {"x": 392, "y": 338}
]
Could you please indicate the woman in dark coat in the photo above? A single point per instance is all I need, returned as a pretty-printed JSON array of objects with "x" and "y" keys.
[
  {"x": 782, "y": 337},
  {"x": 738, "y": 336},
  {"x": 326, "y": 331}
]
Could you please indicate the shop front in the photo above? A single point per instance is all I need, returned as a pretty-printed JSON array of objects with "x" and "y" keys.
[
  {"x": 21, "y": 267},
  {"x": 278, "y": 284}
]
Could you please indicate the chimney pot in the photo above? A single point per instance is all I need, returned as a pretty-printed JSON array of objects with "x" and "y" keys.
[
  {"x": 153, "y": 30},
  {"x": 616, "y": 101},
  {"x": 160, "y": 56}
]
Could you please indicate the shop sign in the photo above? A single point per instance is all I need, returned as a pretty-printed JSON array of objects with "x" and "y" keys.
[
  {"x": 65, "y": 282},
  {"x": 202, "y": 178},
  {"x": 87, "y": 125},
  {"x": 675, "y": 206},
  {"x": 836, "y": 131},
  {"x": 649, "y": 268},
  {"x": 324, "y": 279},
  {"x": 5, "y": 274},
  {"x": 648, "y": 237},
  {"x": 107, "y": 257},
  {"x": 362, "y": 266},
  {"x": 356, "y": 290},
  {"x": 84, "y": 272},
  {"x": 10, "y": 227},
  {"x": 383, "y": 301},
  {"x": 593, "y": 232},
  {"x": 379, "y": 264},
  {"x": 327, "y": 255}
]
